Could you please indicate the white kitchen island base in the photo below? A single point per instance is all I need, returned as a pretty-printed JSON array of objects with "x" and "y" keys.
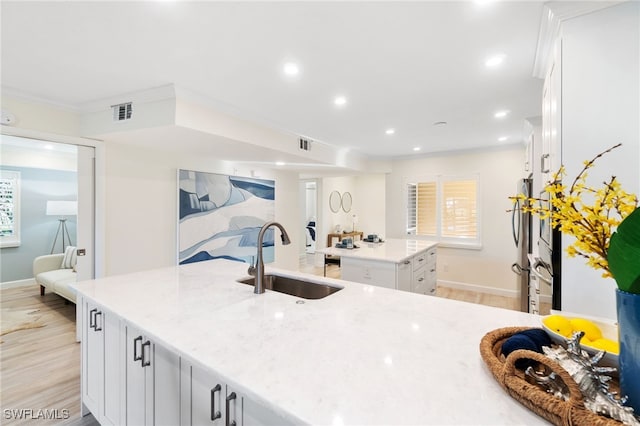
[{"x": 157, "y": 344}]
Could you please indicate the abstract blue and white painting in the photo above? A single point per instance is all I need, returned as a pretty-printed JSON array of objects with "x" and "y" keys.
[{"x": 220, "y": 217}]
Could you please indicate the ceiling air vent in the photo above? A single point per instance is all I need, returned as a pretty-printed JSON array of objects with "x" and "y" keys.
[
  {"x": 122, "y": 112},
  {"x": 305, "y": 144}
]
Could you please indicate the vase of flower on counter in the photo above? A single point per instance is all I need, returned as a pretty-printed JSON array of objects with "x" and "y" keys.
[{"x": 605, "y": 222}]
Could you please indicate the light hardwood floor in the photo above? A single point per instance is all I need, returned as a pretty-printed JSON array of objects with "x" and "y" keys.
[{"x": 40, "y": 367}]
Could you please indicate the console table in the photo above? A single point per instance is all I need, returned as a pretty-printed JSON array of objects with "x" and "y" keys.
[{"x": 341, "y": 235}]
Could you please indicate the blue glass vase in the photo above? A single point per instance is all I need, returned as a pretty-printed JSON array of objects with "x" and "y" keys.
[{"x": 628, "y": 306}]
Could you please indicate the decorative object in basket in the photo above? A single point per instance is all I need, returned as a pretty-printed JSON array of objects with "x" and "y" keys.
[
  {"x": 558, "y": 411},
  {"x": 617, "y": 253},
  {"x": 592, "y": 380}
]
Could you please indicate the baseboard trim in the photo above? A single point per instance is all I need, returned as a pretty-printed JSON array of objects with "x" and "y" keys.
[
  {"x": 477, "y": 288},
  {"x": 18, "y": 283},
  {"x": 487, "y": 290}
]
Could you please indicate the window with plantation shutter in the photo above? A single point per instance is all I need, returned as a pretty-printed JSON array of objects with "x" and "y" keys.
[
  {"x": 459, "y": 217},
  {"x": 426, "y": 217},
  {"x": 444, "y": 208}
]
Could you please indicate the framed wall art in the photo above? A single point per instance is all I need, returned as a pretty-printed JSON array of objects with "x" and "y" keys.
[{"x": 219, "y": 216}]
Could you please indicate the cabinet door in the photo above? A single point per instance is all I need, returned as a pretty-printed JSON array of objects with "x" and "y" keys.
[
  {"x": 152, "y": 382},
  {"x": 93, "y": 357},
  {"x": 113, "y": 370},
  {"x": 381, "y": 274},
  {"x": 165, "y": 369},
  {"x": 135, "y": 378},
  {"x": 208, "y": 393},
  {"x": 403, "y": 276}
]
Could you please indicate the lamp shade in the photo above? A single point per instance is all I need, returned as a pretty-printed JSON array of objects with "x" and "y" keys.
[{"x": 62, "y": 208}]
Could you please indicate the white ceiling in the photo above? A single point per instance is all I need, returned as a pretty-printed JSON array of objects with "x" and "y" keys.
[{"x": 403, "y": 65}]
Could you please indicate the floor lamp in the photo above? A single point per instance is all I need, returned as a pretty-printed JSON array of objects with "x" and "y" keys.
[{"x": 62, "y": 209}]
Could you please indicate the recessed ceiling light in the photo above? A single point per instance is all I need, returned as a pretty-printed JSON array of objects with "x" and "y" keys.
[
  {"x": 280, "y": 163},
  {"x": 417, "y": 148},
  {"x": 502, "y": 138},
  {"x": 291, "y": 68},
  {"x": 340, "y": 100},
  {"x": 48, "y": 146},
  {"x": 501, "y": 114},
  {"x": 494, "y": 61},
  {"x": 440, "y": 123},
  {"x": 390, "y": 131}
]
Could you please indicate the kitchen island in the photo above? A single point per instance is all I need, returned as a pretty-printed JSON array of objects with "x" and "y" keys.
[
  {"x": 363, "y": 355},
  {"x": 401, "y": 264}
]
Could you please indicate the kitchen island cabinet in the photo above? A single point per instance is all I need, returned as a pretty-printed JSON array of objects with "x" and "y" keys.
[
  {"x": 408, "y": 265},
  {"x": 363, "y": 355}
]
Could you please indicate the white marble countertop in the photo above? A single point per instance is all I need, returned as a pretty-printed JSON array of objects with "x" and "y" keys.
[
  {"x": 363, "y": 355},
  {"x": 391, "y": 250}
]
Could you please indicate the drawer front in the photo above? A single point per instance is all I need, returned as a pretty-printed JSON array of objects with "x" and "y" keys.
[
  {"x": 432, "y": 280},
  {"x": 432, "y": 254},
  {"x": 419, "y": 260},
  {"x": 419, "y": 282}
]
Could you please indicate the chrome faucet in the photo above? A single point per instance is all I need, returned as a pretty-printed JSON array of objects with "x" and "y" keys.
[{"x": 259, "y": 268}]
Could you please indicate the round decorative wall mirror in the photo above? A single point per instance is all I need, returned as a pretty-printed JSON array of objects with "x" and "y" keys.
[
  {"x": 346, "y": 202},
  {"x": 335, "y": 201}
]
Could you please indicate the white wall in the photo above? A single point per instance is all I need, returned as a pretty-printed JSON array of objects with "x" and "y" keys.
[
  {"x": 499, "y": 170},
  {"x": 369, "y": 203},
  {"x": 329, "y": 218},
  {"x": 140, "y": 194},
  {"x": 42, "y": 117},
  {"x": 600, "y": 108},
  {"x": 141, "y": 205}
]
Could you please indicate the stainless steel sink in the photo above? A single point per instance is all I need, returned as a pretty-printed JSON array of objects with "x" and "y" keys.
[{"x": 294, "y": 287}]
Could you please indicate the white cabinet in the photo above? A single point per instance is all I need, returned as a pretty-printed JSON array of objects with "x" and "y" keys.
[
  {"x": 551, "y": 157},
  {"x": 416, "y": 274},
  {"x": 423, "y": 279},
  {"x": 208, "y": 400},
  {"x": 152, "y": 381},
  {"x": 381, "y": 274},
  {"x": 404, "y": 275},
  {"x": 101, "y": 363}
]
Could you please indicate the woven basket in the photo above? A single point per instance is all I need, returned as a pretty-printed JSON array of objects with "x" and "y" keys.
[{"x": 555, "y": 410}]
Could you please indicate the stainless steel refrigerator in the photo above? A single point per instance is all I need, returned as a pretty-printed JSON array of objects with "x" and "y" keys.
[{"x": 521, "y": 228}]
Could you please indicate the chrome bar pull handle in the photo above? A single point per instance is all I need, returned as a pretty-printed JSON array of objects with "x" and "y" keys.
[
  {"x": 215, "y": 414},
  {"x": 231, "y": 397},
  {"x": 135, "y": 348}
]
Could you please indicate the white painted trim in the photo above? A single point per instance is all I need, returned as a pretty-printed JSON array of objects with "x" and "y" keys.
[
  {"x": 487, "y": 290},
  {"x": 100, "y": 183},
  {"x": 155, "y": 94},
  {"x": 18, "y": 283},
  {"x": 553, "y": 15},
  {"x": 14, "y": 93}
]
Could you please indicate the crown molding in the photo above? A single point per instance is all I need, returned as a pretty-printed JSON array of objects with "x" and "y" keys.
[{"x": 554, "y": 14}]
